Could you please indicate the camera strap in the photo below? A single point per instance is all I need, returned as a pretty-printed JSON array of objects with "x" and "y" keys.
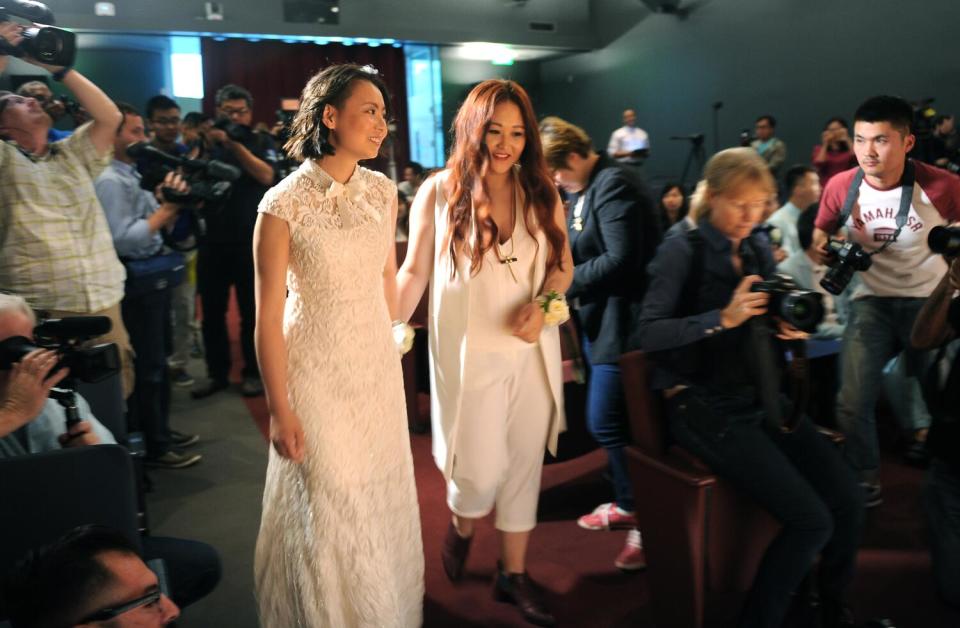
[{"x": 906, "y": 198}]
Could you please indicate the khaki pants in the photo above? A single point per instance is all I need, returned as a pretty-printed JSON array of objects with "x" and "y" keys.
[{"x": 117, "y": 334}]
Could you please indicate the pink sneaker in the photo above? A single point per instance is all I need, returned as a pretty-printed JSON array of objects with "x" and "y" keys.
[
  {"x": 632, "y": 557},
  {"x": 607, "y": 517}
]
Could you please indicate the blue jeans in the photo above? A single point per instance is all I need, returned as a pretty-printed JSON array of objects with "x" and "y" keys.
[
  {"x": 799, "y": 477},
  {"x": 607, "y": 422},
  {"x": 879, "y": 328},
  {"x": 942, "y": 503}
]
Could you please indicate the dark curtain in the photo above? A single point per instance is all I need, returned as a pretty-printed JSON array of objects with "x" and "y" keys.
[{"x": 272, "y": 70}]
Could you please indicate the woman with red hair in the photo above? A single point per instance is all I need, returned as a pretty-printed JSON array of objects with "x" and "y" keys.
[{"x": 489, "y": 235}]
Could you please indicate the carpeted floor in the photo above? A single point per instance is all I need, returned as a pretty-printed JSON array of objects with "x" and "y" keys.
[{"x": 218, "y": 501}]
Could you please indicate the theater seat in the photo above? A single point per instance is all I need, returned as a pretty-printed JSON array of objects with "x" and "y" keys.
[{"x": 701, "y": 535}]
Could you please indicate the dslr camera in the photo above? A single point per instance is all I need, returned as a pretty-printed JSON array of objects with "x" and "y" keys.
[
  {"x": 944, "y": 241},
  {"x": 65, "y": 335},
  {"x": 801, "y": 308},
  {"x": 48, "y": 44},
  {"x": 844, "y": 258}
]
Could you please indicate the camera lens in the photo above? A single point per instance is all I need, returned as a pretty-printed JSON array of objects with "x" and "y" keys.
[{"x": 945, "y": 241}]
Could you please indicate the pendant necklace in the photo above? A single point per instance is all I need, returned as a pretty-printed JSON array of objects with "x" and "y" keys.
[{"x": 509, "y": 258}]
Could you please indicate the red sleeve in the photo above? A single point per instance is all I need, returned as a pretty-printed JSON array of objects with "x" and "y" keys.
[
  {"x": 943, "y": 188},
  {"x": 831, "y": 202}
]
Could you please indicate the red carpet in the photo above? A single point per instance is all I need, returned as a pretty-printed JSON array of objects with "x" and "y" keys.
[{"x": 575, "y": 566}]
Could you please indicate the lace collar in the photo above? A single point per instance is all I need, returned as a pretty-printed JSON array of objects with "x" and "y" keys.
[{"x": 355, "y": 191}]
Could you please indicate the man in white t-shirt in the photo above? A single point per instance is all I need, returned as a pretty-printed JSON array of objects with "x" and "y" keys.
[
  {"x": 629, "y": 144},
  {"x": 803, "y": 187},
  {"x": 901, "y": 277}
]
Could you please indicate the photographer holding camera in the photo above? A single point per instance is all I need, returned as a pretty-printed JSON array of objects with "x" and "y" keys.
[
  {"x": 136, "y": 219},
  {"x": 888, "y": 206},
  {"x": 226, "y": 256},
  {"x": 938, "y": 326},
  {"x": 710, "y": 338},
  {"x": 57, "y": 251}
]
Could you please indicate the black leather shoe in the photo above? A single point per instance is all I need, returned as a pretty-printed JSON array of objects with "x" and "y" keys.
[
  {"x": 518, "y": 589},
  {"x": 454, "y": 553},
  {"x": 210, "y": 387}
]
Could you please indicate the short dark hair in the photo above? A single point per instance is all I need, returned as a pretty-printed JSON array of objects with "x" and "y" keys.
[
  {"x": 196, "y": 118},
  {"x": 127, "y": 110},
  {"x": 416, "y": 167},
  {"x": 233, "y": 92},
  {"x": 50, "y": 587},
  {"x": 768, "y": 118},
  {"x": 805, "y": 225},
  {"x": 892, "y": 109},
  {"x": 160, "y": 103},
  {"x": 941, "y": 118},
  {"x": 841, "y": 121},
  {"x": 309, "y": 136},
  {"x": 795, "y": 174},
  {"x": 4, "y": 94}
]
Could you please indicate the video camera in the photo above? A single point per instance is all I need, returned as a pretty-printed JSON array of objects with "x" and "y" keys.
[
  {"x": 210, "y": 180},
  {"x": 236, "y": 132},
  {"x": 944, "y": 241},
  {"x": 801, "y": 308},
  {"x": 844, "y": 259},
  {"x": 65, "y": 335},
  {"x": 48, "y": 44}
]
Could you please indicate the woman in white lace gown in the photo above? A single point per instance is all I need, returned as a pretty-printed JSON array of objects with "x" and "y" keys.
[{"x": 339, "y": 541}]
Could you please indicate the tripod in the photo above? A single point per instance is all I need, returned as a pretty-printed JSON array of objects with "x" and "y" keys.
[{"x": 697, "y": 154}]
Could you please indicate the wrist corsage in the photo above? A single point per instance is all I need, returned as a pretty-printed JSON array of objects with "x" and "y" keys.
[
  {"x": 402, "y": 336},
  {"x": 555, "y": 309}
]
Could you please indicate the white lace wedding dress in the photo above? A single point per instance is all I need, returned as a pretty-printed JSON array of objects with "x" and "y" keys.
[{"x": 339, "y": 541}]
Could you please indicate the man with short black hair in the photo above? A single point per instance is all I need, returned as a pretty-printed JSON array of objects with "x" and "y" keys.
[
  {"x": 412, "y": 178},
  {"x": 893, "y": 229},
  {"x": 136, "y": 219},
  {"x": 91, "y": 575},
  {"x": 803, "y": 188},
  {"x": 226, "y": 257},
  {"x": 772, "y": 149},
  {"x": 163, "y": 115}
]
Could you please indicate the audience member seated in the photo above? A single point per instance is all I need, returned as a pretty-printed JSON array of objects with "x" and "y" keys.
[
  {"x": 803, "y": 190},
  {"x": 613, "y": 231},
  {"x": 673, "y": 204},
  {"x": 91, "y": 575},
  {"x": 629, "y": 144},
  {"x": 888, "y": 206},
  {"x": 717, "y": 364},
  {"x": 413, "y": 176},
  {"x": 40, "y": 91},
  {"x": 31, "y": 422},
  {"x": 57, "y": 251},
  {"x": 136, "y": 219},
  {"x": 834, "y": 153},
  {"x": 938, "y": 326},
  {"x": 771, "y": 148},
  {"x": 225, "y": 258}
]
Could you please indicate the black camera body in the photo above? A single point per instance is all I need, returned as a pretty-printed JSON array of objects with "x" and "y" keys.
[
  {"x": 236, "y": 132},
  {"x": 944, "y": 241},
  {"x": 801, "y": 308},
  {"x": 86, "y": 364},
  {"x": 844, "y": 258},
  {"x": 210, "y": 180},
  {"x": 51, "y": 45}
]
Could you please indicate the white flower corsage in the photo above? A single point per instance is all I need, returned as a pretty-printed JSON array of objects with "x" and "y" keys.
[
  {"x": 555, "y": 308},
  {"x": 403, "y": 336}
]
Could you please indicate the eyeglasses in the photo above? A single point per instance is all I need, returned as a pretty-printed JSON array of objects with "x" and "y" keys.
[
  {"x": 235, "y": 112},
  {"x": 107, "y": 614},
  {"x": 165, "y": 121}
]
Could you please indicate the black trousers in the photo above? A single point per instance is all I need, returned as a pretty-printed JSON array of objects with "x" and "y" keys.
[
  {"x": 147, "y": 319},
  {"x": 220, "y": 266},
  {"x": 800, "y": 477},
  {"x": 193, "y": 568}
]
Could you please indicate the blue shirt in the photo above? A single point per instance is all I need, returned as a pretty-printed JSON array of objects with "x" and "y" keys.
[
  {"x": 55, "y": 135},
  {"x": 127, "y": 207},
  {"x": 40, "y": 434},
  {"x": 665, "y": 327}
]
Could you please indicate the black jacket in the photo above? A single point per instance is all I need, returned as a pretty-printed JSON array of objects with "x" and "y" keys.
[{"x": 619, "y": 234}]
